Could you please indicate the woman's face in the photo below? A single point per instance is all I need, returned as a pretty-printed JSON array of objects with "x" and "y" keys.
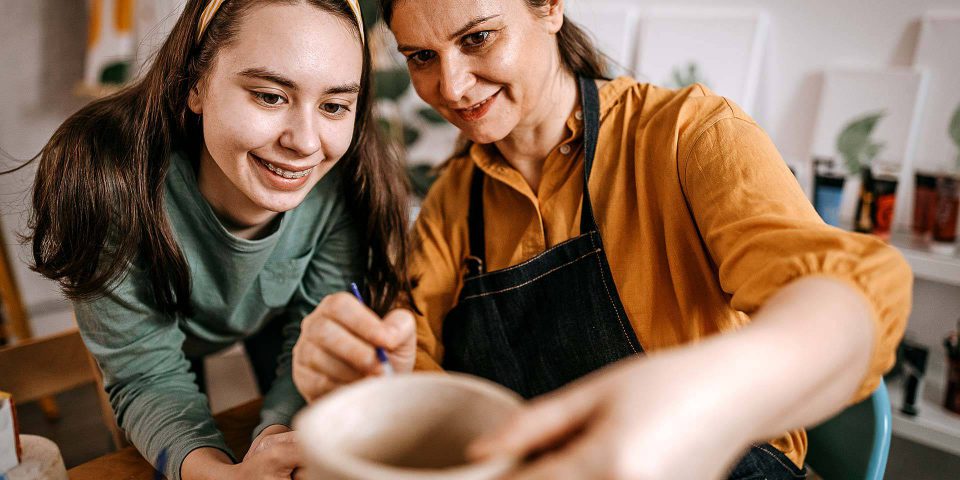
[
  {"x": 278, "y": 109},
  {"x": 483, "y": 64}
]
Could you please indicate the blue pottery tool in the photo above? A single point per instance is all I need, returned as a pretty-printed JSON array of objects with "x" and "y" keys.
[{"x": 381, "y": 355}]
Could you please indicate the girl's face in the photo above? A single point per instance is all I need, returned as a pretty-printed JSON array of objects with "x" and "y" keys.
[
  {"x": 487, "y": 66},
  {"x": 278, "y": 110}
]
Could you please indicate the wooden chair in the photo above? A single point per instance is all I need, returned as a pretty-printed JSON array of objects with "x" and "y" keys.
[
  {"x": 42, "y": 367},
  {"x": 10, "y": 299}
]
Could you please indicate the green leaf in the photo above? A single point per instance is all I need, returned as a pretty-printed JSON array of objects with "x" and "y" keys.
[
  {"x": 410, "y": 135},
  {"x": 421, "y": 178},
  {"x": 854, "y": 143},
  {"x": 871, "y": 152},
  {"x": 370, "y": 12},
  {"x": 391, "y": 84},
  {"x": 431, "y": 115},
  {"x": 688, "y": 77},
  {"x": 955, "y": 127},
  {"x": 385, "y": 127},
  {"x": 115, "y": 73}
]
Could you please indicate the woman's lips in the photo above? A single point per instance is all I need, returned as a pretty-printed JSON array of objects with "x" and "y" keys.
[{"x": 479, "y": 110}]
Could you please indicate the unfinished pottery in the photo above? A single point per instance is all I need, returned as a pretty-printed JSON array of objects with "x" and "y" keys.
[{"x": 414, "y": 426}]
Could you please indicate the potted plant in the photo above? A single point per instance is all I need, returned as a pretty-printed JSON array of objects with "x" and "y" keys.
[{"x": 858, "y": 151}]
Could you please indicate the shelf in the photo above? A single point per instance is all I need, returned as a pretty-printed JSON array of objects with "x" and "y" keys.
[
  {"x": 934, "y": 426},
  {"x": 927, "y": 262}
]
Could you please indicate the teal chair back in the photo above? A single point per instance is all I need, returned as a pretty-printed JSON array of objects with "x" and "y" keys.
[{"x": 855, "y": 443}]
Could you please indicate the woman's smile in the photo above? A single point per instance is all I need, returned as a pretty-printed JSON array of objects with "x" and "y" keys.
[{"x": 479, "y": 110}]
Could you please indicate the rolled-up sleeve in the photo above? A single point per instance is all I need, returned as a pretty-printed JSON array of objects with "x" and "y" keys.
[
  {"x": 763, "y": 233},
  {"x": 435, "y": 265}
]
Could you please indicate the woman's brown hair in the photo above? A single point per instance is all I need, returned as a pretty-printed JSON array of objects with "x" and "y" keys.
[
  {"x": 98, "y": 201},
  {"x": 579, "y": 54}
]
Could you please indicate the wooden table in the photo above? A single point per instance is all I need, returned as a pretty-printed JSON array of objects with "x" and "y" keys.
[{"x": 236, "y": 424}]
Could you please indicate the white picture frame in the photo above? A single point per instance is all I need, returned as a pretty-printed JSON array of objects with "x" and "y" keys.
[
  {"x": 850, "y": 93},
  {"x": 725, "y": 44},
  {"x": 939, "y": 31},
  {"x": 613, "y": 26}
]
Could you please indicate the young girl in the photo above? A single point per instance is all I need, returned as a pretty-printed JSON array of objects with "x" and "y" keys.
[
  {"x": 591, "y": 221},
  {"x": 218, "y": 199}
]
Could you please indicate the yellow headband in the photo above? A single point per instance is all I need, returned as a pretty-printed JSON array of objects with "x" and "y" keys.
[{"x": 211, "y": 9}]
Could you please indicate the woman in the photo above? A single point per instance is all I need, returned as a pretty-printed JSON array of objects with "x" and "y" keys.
[
  {"x": 218, "y": 199},
  {"x": 692, "y": 226}
]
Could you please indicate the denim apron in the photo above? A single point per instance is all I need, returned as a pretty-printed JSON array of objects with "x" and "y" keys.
[{"x": 550, "y": 320}]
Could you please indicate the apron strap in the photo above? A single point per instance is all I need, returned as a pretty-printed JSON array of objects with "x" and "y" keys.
[
  {"x": 590, "y": 106},
  {"x": 477, "y": 254}
]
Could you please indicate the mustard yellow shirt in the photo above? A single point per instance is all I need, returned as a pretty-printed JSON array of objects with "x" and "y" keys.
[{"x": 701, "y": 219}]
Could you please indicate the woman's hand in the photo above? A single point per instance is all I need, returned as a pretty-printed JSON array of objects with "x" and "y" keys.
[
  {"x": 638, "y": 419},
  {"x": 338, "y": 341}
]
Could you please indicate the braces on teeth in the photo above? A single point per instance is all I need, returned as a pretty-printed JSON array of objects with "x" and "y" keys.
[{"x": 286, "y": 174}]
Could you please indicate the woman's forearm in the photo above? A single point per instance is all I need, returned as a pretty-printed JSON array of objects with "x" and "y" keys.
[{"x": 799, "y": 361}]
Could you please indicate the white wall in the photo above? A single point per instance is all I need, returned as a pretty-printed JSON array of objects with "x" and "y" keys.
[
  {"x": 41, "y": 59},
  {"x": 807, "y": 36},
  {"x": 41, "y": 54}
]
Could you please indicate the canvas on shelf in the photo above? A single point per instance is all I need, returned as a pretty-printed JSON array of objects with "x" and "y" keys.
[
  {"x": 935, "y": 149},
  {"x": 851, "y": 93},
  {"x": 721, "y": 48},
  {"x": 613, "y": 26}
]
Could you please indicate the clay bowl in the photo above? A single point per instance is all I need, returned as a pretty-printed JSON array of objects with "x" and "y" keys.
[{"x": 405, "y": 427}]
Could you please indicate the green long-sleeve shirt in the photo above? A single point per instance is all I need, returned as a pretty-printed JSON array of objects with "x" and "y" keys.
[{"x": 237, "y": 287}]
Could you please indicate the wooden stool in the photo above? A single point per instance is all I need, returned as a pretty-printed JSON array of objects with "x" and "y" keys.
[
  {"x": 15, "y": 322},
  {"x": 42, "y": 367},
  {"x": 10, "y": 298}
]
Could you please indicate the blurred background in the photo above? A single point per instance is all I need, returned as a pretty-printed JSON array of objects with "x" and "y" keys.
[{"x": 862, "y": 98}]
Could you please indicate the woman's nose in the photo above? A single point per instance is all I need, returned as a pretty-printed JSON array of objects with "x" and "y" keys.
[
  {"x": 302, "y": 134},
  {"x": 455, "y": 80}
]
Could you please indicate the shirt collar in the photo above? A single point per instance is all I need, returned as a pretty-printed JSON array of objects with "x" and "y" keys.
[{"x": 488, "y": 158}]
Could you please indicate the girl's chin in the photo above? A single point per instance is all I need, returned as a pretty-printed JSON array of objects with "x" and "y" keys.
[{"x": 280, "y": 203}]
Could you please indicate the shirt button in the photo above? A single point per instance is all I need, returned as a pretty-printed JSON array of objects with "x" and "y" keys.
[
  {"x": 578, "y": 115},
  {"x": 565, "y": 149}
]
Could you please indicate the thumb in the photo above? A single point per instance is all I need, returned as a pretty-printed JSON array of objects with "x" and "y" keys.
[
  {"x": 546, "y": 422},
  {"x": 401, "y": 328},
  {"x": 285, "y": 457}
]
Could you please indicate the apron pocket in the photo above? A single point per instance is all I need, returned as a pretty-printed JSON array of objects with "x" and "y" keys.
[{"x": 765, "y": 462}]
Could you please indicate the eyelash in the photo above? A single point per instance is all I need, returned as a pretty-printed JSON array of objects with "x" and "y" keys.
[
  {"x": 486, "y": 37},
  {"x": 262, "y": 97},
  {"x": 343, "y": 109}
]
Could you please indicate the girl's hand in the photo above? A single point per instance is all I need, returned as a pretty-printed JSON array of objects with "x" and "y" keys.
[
  {"x": 637, "y": 419},
  {"x": 268, "y": 437},
  {"x": 274, "y": 454},
  {"x": 338, "y": 340}
]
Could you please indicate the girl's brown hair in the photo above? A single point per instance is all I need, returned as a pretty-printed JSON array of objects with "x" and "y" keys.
[
  {"x": 98, "y": 201},
  {"x": 579, "y": 54}
]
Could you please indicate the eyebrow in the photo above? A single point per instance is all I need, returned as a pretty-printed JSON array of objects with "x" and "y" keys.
[
  {"x": 271, "y": 76},
  {"x": 345, "y": 88},
  {"x": 268, "y": 75},
  {"x": 466, "y": 28}
]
